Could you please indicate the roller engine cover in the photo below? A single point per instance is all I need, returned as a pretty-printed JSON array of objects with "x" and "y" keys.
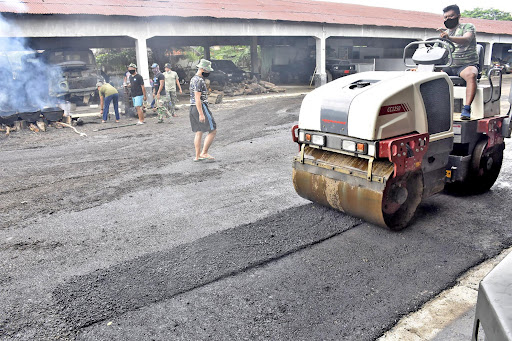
[{"x": 372, "y": 105}]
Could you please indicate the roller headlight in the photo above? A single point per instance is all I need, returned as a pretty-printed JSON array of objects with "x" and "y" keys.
[
  {"x": 348, "y": 145},
  {"x": 319, "y": 140}
]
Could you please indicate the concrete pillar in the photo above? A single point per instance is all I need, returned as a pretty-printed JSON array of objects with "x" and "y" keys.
[
  {"x": 320, "y": 75},
  {"x": 488, "y": 54},
  {"x": 141, "y": 49},
  {"x": 255, "y": 63},
  {"x": 207, "y": 52}
]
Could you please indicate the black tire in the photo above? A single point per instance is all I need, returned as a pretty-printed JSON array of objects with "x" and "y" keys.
[
  {"x": 329, "y": 76},
  {"x": 484, "y": 170}
]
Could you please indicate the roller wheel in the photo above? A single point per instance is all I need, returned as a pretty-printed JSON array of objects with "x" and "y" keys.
[
  {"x": 484, "y": 170},
  {"x": 401, "y": 197},
  {"x": 485, "y": 166}
]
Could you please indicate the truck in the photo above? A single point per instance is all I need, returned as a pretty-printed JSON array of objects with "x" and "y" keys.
[{"x": 77, "y": 74}]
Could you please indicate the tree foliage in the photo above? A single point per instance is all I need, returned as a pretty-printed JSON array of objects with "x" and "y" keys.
[
  {"x": 193, "y": 53},
  {"x": 239, "y": 54},
  {"x": 489, "y": 14},
  {"x": 116, "y": 59}
]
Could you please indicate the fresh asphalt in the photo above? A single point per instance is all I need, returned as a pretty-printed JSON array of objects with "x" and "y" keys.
[{"x": 161, "y": 248}]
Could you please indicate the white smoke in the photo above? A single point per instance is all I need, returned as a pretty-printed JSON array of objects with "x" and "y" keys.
[{"x": 27, "y": 85}]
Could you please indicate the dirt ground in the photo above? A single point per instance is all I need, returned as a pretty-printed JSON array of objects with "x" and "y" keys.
[
  {"x": 59, "y": 189},
  {"x": 121, "y": 205},
  {"x": 59, "y": 170}
]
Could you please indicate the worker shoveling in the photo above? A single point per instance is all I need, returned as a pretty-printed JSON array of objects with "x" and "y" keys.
[{"x": 374, "y": 144}]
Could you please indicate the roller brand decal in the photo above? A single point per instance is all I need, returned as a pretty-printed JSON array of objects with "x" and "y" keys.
[
  {"x": 332, "y": 121},
  {"x": 394, "y": 109},
  {"x": 334, "y": 113}
]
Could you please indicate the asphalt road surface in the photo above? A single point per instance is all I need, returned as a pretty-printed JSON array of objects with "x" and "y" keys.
[{"x": 121, "y": 236}]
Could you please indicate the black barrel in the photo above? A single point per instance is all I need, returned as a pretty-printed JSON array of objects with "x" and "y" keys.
[
  {"x": 53, "y": 114},
  {"x": 8, "y": 117},
  {"x": 29, "y": 114}
]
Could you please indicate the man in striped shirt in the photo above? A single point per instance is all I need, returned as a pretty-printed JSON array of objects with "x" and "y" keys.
[{"x": 201, "y": 118}]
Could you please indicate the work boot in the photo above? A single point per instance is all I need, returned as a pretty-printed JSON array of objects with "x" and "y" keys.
[{"x": 465, "y": 113}]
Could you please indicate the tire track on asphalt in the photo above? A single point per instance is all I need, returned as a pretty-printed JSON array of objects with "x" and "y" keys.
[{"x": 106, "y": 293}]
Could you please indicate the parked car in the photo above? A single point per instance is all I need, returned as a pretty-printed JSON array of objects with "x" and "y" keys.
[
  {"x": 302, "y": 71},
  {"x": 336, "y": 68},
  {"x": 299, "y": 71},
  {"x": 79, "y": 74},
  {"x": 225, "y": 71}
]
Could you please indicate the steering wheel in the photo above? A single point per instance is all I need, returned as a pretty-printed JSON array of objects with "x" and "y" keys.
[{"x": 450, "y": 43}]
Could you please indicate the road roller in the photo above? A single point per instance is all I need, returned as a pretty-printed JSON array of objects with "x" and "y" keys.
[{"x": 374, "y": 144}]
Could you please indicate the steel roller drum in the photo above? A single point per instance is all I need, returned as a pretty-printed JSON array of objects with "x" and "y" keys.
[{"x": 342, "y": 182}]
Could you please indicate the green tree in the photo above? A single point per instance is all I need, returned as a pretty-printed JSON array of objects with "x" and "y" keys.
[
  {"x": 489, "y": 14},
  {"x": 115, "y": 59},
  {"x": 239, "y": 54},
  {"x": 193, "y": 53}
]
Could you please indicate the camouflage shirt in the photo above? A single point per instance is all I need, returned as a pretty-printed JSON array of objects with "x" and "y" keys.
[
  {"x": 464, "y": 54},
  {"x": 197, "y": 84}
]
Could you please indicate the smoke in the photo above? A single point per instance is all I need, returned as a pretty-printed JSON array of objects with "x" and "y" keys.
[{"x": 26, "y": 78}]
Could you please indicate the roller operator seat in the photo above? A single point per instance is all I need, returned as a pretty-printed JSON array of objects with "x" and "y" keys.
[{"x": 458, "y": 81}]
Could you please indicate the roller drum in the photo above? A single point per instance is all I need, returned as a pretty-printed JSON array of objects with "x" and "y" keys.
[{"x": 344, "y": 183}]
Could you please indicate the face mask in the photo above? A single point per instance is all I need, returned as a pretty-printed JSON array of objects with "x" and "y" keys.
[
  {"x": 131, "y": 71},
  {"x": 451, "y": 23},
  {"x": 206, "y": 74}
]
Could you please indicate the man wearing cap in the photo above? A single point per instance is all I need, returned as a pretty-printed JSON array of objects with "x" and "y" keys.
[
  {"x": 138, "y": 91},
  {"x": 159, "y": 93},
  {"x": 465, "y": 56},
  {"x": 171, "y": 81},
  {"x": 201, "y": 118},
  {"x": 108, "y": 94}
]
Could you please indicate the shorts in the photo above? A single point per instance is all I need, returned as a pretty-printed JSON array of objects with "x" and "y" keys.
[
  {"x": 209, "y": 123},
  {"x": 137, "y": 101},
  {"x": 456, "y": 70}
]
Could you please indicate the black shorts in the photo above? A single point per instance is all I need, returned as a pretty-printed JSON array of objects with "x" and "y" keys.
[
  {"x": 209, "y": 122},
  {"x": 456, "y": 70}
]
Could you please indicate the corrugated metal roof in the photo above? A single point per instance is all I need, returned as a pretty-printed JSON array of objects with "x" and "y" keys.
[{"x": 292, "y": 10}]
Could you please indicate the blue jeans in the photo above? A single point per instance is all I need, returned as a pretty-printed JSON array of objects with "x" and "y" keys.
[{"x": 115, "y": 99}]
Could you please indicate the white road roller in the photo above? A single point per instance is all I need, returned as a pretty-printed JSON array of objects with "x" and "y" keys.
[{"x": 374, "y": 144}]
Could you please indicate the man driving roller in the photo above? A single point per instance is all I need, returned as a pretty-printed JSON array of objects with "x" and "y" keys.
[{"x": 465, "y": 57}]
